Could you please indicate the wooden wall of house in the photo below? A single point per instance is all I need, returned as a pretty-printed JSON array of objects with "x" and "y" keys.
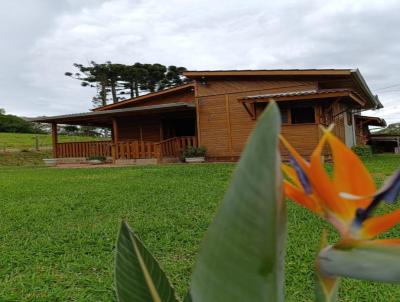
[
  {"x": 223, "y": 123},
  {"x": 146, "y": 129}
]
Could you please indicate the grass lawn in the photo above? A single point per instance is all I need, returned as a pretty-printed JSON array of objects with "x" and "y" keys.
[
  {"x": 26, "y": 141},
  {"x": 58, "y": 228}
]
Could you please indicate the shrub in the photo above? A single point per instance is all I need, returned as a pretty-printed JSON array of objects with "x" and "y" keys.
[
  {"x": 12, "y": 123},
  {"x": 362, "y": 150},
  {"x": 194, "y": 152},
  {"x": 97, "y": 157}
]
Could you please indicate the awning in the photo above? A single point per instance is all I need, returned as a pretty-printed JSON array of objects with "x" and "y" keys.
[
  {"x": 308, "y": 95},
  {"x": 104, "y": 118},
  {"x": 371, "y": 120}
]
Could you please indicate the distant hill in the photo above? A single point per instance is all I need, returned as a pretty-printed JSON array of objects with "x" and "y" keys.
[{"x": 392, "y": 129}]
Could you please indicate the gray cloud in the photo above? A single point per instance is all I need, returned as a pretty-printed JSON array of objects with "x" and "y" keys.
[{"x": 206, "y": 34}]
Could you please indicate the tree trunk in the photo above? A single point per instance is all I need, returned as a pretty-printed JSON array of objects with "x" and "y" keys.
[
  {"x": 136, "y": 89},
  {"x": 103, "y": 94},
  {"x": 131, "y": 89},
  {"x": 114, "y": 92}
]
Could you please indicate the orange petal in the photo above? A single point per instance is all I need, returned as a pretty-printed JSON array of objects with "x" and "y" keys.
[
  {"x": 323, "y": 187},
  {"x": 375, "y": 225},
  {"x": 349, "y": 173},
  {"x": 291, "y": 174},
  {"x": 300, "y": 197}
]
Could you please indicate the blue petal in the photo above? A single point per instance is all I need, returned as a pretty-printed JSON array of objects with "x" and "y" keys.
[
  {"x": 390, "y": 190},
  {"x": 301, "y": 175}
]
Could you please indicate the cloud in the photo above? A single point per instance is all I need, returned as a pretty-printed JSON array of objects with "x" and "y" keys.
[{"x": 201, "y": 35}]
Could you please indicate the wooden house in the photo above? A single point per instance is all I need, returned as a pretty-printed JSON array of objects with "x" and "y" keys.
[{"x": 218, "y": 110}]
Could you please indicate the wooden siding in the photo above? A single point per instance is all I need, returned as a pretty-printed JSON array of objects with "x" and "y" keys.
[
  {"x": 140, "y": 129},
  {"x": 223, "y": 123}
]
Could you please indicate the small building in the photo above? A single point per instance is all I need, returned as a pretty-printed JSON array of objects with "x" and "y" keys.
[
  {"x": 218, "y": 110},
  {"x": 385, "y": 143}
]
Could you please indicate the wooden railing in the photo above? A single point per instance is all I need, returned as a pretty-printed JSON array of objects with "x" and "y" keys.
[
  {"x": 173, "y": 147},
  {"x": 131, "y": 149},
  {"x": 127, "y": 149},
  {"x": 84, "y": 149}
]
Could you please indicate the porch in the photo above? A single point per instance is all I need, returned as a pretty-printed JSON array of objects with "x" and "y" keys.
[
  {"x": 168, "y": 149},
  {"x": 158, "y": 133}
]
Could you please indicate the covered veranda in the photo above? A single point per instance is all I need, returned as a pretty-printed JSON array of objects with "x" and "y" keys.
[{"x": 147, "y": 132}]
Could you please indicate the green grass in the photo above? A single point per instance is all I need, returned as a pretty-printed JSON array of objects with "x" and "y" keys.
[
  {"x": 26, "y": 141},
  {"x": 24, "y": 158},
  {"x": 58, "y": 228}
]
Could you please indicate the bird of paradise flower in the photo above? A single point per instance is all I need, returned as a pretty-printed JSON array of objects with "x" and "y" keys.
[{"x": 347, "y": 199}]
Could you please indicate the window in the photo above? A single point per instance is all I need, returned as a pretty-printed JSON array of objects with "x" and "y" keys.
[
  {"x": 284, "y": 115},
  {"x": 303, "y": 115}
]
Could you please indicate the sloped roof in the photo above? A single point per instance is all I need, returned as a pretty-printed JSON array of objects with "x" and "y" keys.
[
  {"x": 315, "y": 93},
  {"x": 295, "y": 93},
  {"x": 76, "y": 117},
  {"x": 146, "y": 96},
  {"x": 371, "y": 120},
  {"x": 353, "y": 74}
]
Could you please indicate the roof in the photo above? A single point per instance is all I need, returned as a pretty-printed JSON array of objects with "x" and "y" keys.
[
  {"x": 309, "y": 94},
  {"x": 353, "y": 74},
  {"x": 265, "y": 72},
  {"x": 146, "y": 96},
  {"x": 371, "y": 120},
  {"x": 86, "y": 116}
]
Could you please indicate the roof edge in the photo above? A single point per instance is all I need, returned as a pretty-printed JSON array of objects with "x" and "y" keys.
[
  {"x": 265, "y": 72},
  {"x": 361, "y": 81},
  {"x": 49, "y": 119},
  {"x": 145, "y": 96}
]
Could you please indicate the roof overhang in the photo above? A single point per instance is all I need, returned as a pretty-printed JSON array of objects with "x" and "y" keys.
[
  {"x": 104, "y": 118},
  {"x": 353, "y": 74},
  {"x": 371, "y": 120},
  {"x": 306, "y": 95},
  {"x": 270, "y": 72},
  {"x": 147, "y": 96}
]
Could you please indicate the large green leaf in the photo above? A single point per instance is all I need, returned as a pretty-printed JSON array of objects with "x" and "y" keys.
[
  {"x": 365, "y": 260},
  {"x": 241, "y": 257},
  {"x": 138, "y": 276},
  {"x": 326, "y": 287}
]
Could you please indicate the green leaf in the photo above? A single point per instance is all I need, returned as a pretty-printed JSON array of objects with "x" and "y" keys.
[
  {"x": 326, "y": 287},
  {"x": 242, "y": 255},
  {"x": 365, "y": 260},
  {"x": 138, "y": 276}
]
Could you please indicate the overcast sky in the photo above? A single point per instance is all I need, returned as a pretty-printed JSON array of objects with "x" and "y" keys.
[{"x": 41, "y": 39}]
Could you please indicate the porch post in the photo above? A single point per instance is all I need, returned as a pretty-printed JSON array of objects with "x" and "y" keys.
[
  {"x": 54, "y": 139},
  {"x": 115, "y": 139}
]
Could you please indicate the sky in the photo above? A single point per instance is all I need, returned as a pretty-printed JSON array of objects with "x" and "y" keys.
[{"x": 40, "y": 40}]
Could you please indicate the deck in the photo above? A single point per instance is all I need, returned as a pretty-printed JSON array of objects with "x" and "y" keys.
[{"x": 126, "y": 149}]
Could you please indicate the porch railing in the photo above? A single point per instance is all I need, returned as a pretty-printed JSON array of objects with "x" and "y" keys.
[
  {"x": 173, "y": 147},
  {"x": 132, "y": 149},
  {"x": 127, "y": 149},
  {"x": 84, "y": 149}
]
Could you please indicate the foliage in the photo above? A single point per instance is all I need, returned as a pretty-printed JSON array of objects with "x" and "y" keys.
[
  {"x": 97, "y": 157},
  {"x": 23, "y": 158},
  {"x": 194, "y": 152},
  {"x": 118, "y": 80},
  {"x": 66, "y": 222},
  {"x": 362, "y": 150},
  {"x": 13, "y": 123},
  {"x": 392, "y": 129}
]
